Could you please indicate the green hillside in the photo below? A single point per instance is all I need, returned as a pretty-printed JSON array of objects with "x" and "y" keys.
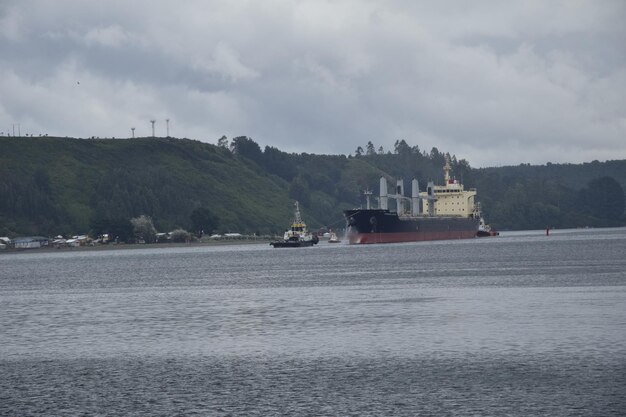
[
  {"x": 55, "y": 186},
  {"x": 555, "y": 195},
  {"x": 51, "y": 186}
]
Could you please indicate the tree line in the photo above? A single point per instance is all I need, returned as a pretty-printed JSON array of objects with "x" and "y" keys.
[
  {"x": 56, "y": 186},
  {"x": 512, "y": 198}
]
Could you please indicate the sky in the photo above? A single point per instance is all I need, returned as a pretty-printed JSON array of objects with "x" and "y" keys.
[{"x": 493, "y": 82}]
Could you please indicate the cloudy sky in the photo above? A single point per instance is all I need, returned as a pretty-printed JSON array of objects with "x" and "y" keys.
[{"x": 494, "y": 82}]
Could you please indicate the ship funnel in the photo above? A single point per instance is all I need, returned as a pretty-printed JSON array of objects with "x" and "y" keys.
[
  {"x": 415, "y": 200},
  {"x": 383, "y": 194}
]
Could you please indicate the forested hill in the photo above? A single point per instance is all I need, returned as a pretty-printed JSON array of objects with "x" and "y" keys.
[
  {"x": 51, "y": 186},
  {"x": 555, "y": 195}
]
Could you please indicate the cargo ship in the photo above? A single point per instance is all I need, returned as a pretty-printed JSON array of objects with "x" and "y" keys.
[{"x": 441, "y": 212}]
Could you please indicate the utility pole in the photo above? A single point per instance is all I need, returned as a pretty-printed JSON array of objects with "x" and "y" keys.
[
  {"x": 167, "y": 124},
  {"x": 152, "y": 121}
]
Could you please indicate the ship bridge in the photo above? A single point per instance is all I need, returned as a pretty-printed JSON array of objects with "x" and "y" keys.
[
  {"x": 447, "y": 200},
  {"x": 450, "y": 199}
]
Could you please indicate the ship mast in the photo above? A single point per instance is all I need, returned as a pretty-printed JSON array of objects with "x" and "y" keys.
[
  {"x": 298, "y": 218},
  {"x": 446, "y": 171}
]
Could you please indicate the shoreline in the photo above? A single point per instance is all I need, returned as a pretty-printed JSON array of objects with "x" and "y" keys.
[{"x": 131, "y": 246}]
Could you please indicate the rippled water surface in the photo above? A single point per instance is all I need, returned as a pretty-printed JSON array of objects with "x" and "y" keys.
[{"x": 518, "y": 325}]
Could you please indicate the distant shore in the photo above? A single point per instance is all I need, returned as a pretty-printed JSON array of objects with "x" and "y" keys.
[{"x": 124, "y": 246}]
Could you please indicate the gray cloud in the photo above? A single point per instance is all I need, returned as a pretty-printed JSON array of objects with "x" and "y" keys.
[{"x": 493, "y": 82}]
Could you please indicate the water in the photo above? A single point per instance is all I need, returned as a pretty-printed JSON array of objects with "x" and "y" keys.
[{"x": 519, "y": 325}]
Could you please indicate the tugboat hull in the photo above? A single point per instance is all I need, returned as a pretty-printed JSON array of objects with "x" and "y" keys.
[
  {"x": 292, "y": 244},
  {"x": 487, "y": 233}
]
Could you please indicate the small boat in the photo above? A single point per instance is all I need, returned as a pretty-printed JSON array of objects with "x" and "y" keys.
[
  {"x": 333, "y": 238},
  {"x": 298, "y": 236}
]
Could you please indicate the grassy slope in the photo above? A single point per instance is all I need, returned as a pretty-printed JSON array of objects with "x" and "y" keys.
[{"x": 195, "y": 173}]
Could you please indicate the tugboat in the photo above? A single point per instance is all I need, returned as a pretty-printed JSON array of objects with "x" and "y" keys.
[
  {"x": 298, "y": 236},
  {"x": 484, "y": 230}
]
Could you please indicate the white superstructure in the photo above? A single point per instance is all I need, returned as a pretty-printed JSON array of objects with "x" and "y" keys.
[{"x": 450, "y": 199}]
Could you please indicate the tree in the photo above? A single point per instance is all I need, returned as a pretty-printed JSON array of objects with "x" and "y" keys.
[
  {"x": 118, "y": 229},
  {"x": 99, "y": 225},
  {"x": 180, "y": 236},
  {"x": 381, "y": 151},
  {"x": 222, "y": 142},
  {"x": 247, "y": 148},
  {"x": 203, "y": 221},
  {"x": 144, "y": 229},
  {"x": 435, "y": 154},
  {"x": 402, "y": 148},
  {"x": 604, "y": 198},
  {"x": 369, "y": 148},
  {"x": 358, "y": 152}
]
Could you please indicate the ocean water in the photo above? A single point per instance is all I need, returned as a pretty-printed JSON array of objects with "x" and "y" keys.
[{"x": 518, "y": 325}]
